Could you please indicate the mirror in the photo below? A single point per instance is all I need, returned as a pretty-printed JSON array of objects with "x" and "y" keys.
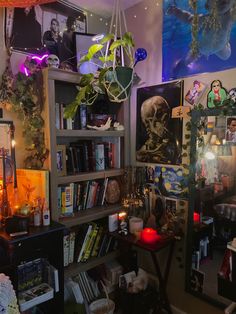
[{"x": 212, "y": 206}]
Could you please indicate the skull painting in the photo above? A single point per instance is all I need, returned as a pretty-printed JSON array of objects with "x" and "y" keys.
[
  {"x": 155, "y": 113},
  {"x": 52, "y": 61},
  {"x": 160, "y": 145}
]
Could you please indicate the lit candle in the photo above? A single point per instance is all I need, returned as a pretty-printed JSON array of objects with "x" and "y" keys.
[
  {"x": 122, "y": 215},
  {"x": 149, "y": 236},
  {"x": 196, "y": 217}
]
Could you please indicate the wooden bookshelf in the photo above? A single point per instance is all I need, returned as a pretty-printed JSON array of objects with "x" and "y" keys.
[
  {"x": 89, "y": 133},
  {"x": 90, "y": 214},
  {"x": 85, "y": 176},
  {"x": 75, "y": 268}
]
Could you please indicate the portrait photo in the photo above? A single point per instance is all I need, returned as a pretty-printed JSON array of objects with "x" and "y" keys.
[
  {"x": 47, "y": 28},
  {"x": 230, "y": 134},
  {"x": 158, "y": 136},
  {"x": 195, "y": 92}
]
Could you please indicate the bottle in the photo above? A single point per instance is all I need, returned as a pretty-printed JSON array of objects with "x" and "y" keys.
[
  {"x": 46, "y": 215},
  {"x": 37, "y": 216}
]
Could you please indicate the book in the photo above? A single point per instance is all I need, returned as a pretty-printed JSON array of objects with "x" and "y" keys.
[
  {"x": 66, "y": 246},
  {"x": 71, "y": 247},
  {"x": 99, "y": 157},
  {"x": 91, "y": 243},
  {"x": 89, "y": 229},
  {"x": 97, "y": 243},
  {"x": 32, "y": 185}
]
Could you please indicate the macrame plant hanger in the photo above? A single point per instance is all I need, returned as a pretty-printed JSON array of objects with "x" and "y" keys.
[{"x": 122, "y": 90}]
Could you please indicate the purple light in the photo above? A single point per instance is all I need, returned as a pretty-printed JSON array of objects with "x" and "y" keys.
[
  {"x": 40, "y": 59},
  {"x": 26, "y": 71}
]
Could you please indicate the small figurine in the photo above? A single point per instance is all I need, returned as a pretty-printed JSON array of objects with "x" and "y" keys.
[
  {"x": 118, "y": 127},
  {"x": 103, "y": 127},
  {"x": 53, "y": 61}
]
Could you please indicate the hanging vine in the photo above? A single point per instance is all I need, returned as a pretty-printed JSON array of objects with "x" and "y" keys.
[
  {"x": 194, "y": 46},
  {"x": 24, "y": 95}
]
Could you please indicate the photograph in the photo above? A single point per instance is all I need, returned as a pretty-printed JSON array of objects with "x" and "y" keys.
[
  {"x": 61, "y": 160},
  {"x": 230, "y": 134},
  {"x": 195, "y": 92},
  {"x": 47, "y": 28},
  {"x": 158, "y": 136},
  {"x": 197, "y": 280},
  {"x": 171, "y": 206}
]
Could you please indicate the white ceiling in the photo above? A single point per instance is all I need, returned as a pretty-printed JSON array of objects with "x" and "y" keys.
[{"x": 102, "y": 7}]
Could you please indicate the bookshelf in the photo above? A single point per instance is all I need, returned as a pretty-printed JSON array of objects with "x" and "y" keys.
[
  {"x": 60, "y": 87},
  {"x": 76, "y": 268}
]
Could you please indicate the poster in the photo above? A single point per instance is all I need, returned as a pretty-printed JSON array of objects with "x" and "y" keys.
[
  {"x": 217, "y": 41},
  {"x": 158, "y": 136}
]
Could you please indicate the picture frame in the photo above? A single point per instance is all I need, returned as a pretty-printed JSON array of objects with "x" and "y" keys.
[
  {"x": 171, "y": 206},
  {"x": 230, "y": 129},
  {"x": 61, "y": 160},
  {"x": 158, "y": 136},
  {"x": 6, "y": 146},
  {"x": 46, "y": 28}
]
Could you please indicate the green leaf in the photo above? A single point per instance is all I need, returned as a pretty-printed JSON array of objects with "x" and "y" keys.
[
  {"x": 116, "y": 44},
  {"x": 91, "y": 52},
  {"x": 86, "y": 79},
  {"x": 70, "y": 110},
  {"x": 107, "y": 58},
  {"x": 128, "y": 38},
  {"x": 107, "y": 38}
]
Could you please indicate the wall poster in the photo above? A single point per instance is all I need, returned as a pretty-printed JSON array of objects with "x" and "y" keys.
[
  {"x": 217, "y": 40},
  {"x": 158, "y": 137}
]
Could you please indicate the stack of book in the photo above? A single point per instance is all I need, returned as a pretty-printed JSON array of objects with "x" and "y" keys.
[
  {"x": 88, "y": 287},
  {"x": 78, "y": 196}
]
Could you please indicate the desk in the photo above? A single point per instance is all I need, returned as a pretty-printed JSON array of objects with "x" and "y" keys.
[{"x": 164, "y": 242}]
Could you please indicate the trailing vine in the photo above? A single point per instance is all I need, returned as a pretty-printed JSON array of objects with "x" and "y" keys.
[
  {"x": 24, "y": 95},
  {"x": 194, "y": 46}
]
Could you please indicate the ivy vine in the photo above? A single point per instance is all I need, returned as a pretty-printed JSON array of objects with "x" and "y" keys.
[{"x": 24, "y": 95}]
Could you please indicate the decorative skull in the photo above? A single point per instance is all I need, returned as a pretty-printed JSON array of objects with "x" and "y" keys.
[
  {"x": 155, "y": 113},
  {"x": 232, "y": 94},
  {"x": 52, "y": 61}
]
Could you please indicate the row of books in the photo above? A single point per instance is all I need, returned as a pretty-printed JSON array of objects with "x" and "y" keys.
[
  {"x": 78, "y": 196},
  {"x": 92, "y": 240},
  {"x": 81, "y": 118},
  {"x": 88, "y": 155},
  {"x": 79, "y": 121}
]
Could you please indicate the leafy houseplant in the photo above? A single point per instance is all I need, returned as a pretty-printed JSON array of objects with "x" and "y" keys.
[{"x": 112, "y": 78}]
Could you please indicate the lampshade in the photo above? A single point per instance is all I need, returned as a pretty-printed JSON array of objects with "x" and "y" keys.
[{"x": 22, "y": 3}]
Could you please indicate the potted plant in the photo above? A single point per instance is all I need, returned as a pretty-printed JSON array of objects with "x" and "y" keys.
[{"x": 112, "y": 79}]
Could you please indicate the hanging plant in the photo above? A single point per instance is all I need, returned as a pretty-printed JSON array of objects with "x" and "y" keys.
[{"x": 23, "y": 95}]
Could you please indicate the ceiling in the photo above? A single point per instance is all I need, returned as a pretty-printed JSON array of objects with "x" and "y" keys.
[{"x": 102, "y": 7}]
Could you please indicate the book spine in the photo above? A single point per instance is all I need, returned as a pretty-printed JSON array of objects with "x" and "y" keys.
[
  {"x": 84, "y": 242},
  {"x": 72, "y": 247},
  {"x": 66, "y": 244}
]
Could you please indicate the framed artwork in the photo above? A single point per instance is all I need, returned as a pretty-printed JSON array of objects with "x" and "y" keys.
[
  {"x": 171, "y": 206},
  {"x": 61, "y": 160},
  {"x": 158, "y": 137},
  {"x": 217, "y": 51},
  {"x": 195, "y": 92},
  {"x": 169, "y": 181},
  {"x": 45, "y": 28},
  {"x": 197, "y": 280},
  {"x": 230, "y": 133},
  {"x": 6, "y": 148}
]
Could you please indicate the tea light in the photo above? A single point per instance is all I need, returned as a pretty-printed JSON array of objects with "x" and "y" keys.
[
  {"x": 149, "y": 236},
  {"x": 196, "y": 217}
]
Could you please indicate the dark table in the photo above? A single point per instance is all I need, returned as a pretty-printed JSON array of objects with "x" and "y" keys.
[{"x": 164, "y": 241}]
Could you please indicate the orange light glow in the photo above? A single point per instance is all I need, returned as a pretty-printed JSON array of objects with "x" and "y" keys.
[{"x": 122, "y": 215}]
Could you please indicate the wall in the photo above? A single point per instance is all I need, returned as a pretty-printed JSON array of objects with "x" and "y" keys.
[{"x": 146, "y": 25}]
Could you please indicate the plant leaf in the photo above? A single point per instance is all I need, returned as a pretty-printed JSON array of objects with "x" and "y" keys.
[
  {"x": 107, "y": 38},
  {"x": 128, "y": 38},
  {"x": 86, "y": 79},
  {"x": 91, "y": 52}
]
